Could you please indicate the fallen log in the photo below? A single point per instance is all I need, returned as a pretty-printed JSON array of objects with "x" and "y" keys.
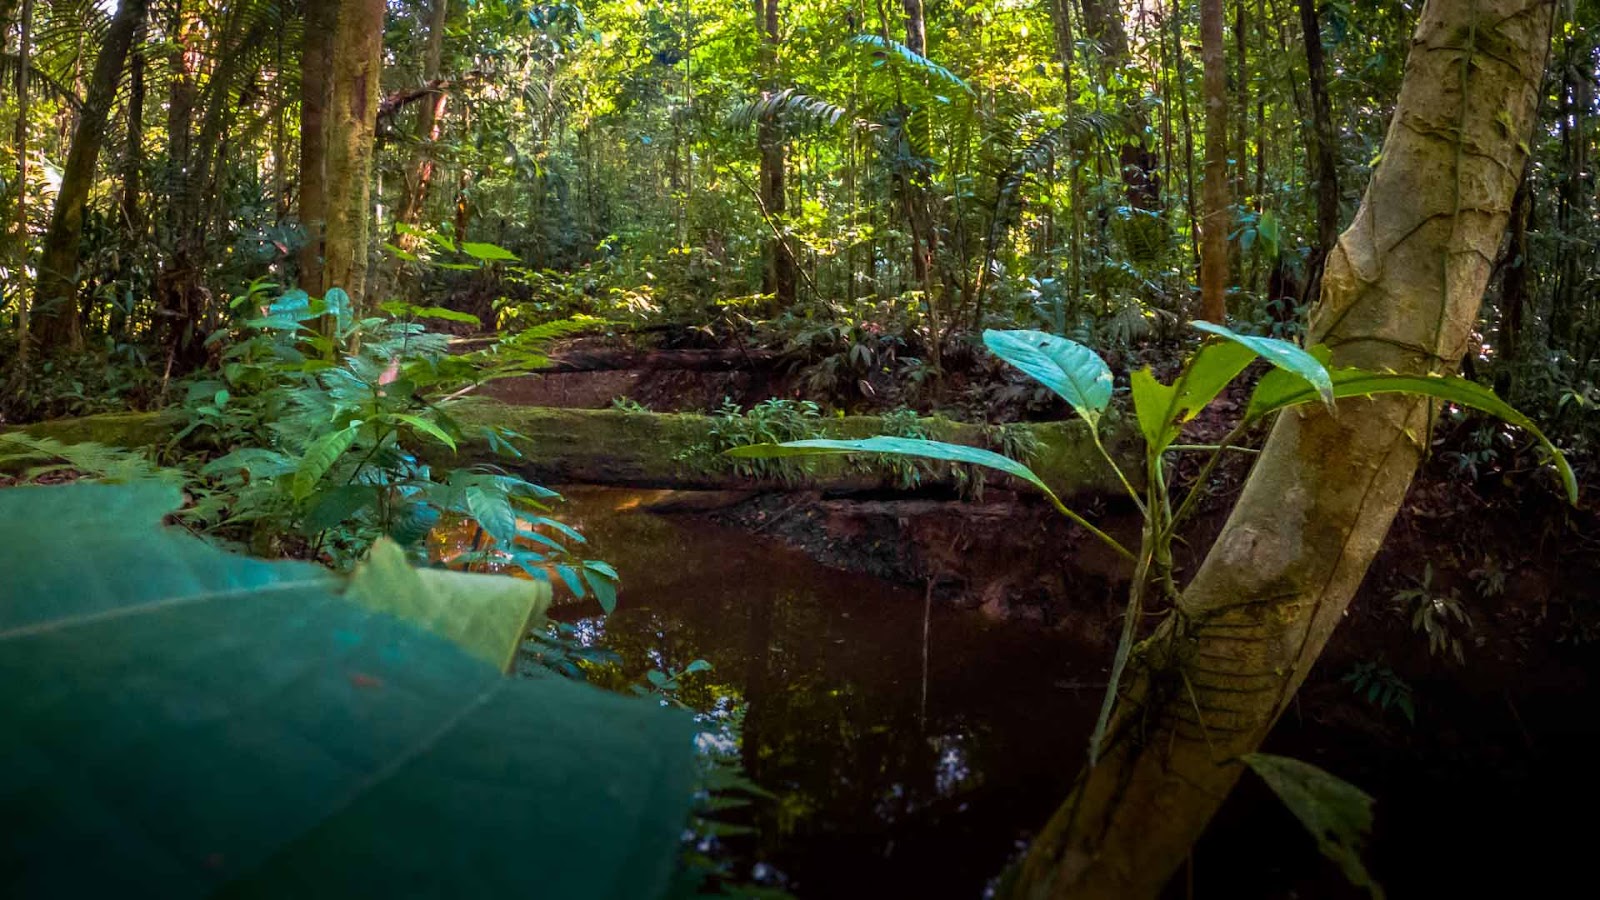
[{"x": 669, "y": 450}]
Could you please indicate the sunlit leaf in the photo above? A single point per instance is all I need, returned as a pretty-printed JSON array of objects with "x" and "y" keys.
[
  {"x": 1072, "y": 370},
  {"x": 1282, "y": 355}
]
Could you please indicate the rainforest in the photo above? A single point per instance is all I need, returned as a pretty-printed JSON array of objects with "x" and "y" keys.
[{"x": 798, "y": 448}]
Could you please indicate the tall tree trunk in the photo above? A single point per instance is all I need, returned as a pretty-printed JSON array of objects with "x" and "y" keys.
[
  {"x": 316, "y": 60},
  {"x": 1514, "y": 291},
  {"x": 20, "y": 217},
  {"x": 1214, "y": 227},
  {"x": 780, "y": 275},
  {"x": 55, "y": 300},
  {"x": 419, "y": 174},
  {"x": 1320, "y": 143},
  {"x": 352, "y": 118},
  {"x": 1401, "y": 292},
  {"x": 130, "y": 208}
]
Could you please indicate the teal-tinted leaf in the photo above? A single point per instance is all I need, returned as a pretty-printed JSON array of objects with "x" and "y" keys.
[
  {"x": 337, "y": 303},
  {"x": 1275, "y": 392},
  {"x": 257, "y": 462},
  {"x": 1282, "y": 355},
  {"x": 1072, "y": 370},
  {"x": 486, "y": 615},
  {"x": 922, "y": 449},
  {"x": 409, "y": 521},
  {"x": 569, "y": 577},
  {"x": 492, "y": 511},
  {"x": 207, "y": 723},
  {"x": 293, "y": 305},
  {"x": 603, "y": 588},
  {"x": 319, "y": 458},
  {"x": 486, "y": 251},
  {"x": 894, "y": 446},
  {"x": 1338, "y": 814}
]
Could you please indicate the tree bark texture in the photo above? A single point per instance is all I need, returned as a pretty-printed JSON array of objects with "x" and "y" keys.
[
  {"x": 1324, "y": 170},
  {"x": 1401, "y": 291},
  {"x": 316, "y": 58},
  {"x": 351, "y": 119},
  {"x": 55, "y": 313}
]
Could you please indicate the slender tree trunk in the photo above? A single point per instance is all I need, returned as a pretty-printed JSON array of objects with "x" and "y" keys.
[
  {"x": 780, "y": 277},
  {"x": 352, "y": 117},
  {"x": 316, "y": 60},
  {"x": 419, "y": 174},
  {"x": 55, "y": 300},
  {"x": 20, "y": 143},
  {"x": 1514, "y": 292},
  {"x": 1401, "y": 292},
  {"x": 1214, "y": 228},
  {"x": 130, "y": 208},
  {"x": 1324, "y": 171}
]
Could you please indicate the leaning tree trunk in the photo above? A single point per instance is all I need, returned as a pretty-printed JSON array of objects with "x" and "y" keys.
[
  {"x": 1214, "y": 228},
  {"x": 55, "y": 301},
  {"x": 352, "y": 117},
  {"x": 1401, "y": 291}
]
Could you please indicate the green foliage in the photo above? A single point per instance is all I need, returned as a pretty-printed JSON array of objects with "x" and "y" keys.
[
  {"x": 1337, "y": 813},
  {"x": 87, "y": 461},
  {"x": 1436, "y": 614},
  {"x": 285, "y": 736},
  {"x": 1380, "y": 686}
]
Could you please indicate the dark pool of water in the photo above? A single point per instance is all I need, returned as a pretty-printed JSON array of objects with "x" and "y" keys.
[{"x": 890, "y": 779}]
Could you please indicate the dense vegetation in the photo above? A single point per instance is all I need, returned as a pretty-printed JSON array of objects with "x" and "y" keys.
[{"x": 300, "y": 232}]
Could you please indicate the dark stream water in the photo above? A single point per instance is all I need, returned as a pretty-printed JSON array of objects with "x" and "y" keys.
[{"x": 890, "y": 779}]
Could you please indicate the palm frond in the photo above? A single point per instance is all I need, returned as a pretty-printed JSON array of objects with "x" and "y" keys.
[{"x": 893, "y": 49}]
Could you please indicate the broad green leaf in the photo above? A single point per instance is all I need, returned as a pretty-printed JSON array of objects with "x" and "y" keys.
[
  {"x": 1072, "y": 370},
  {"x": 257, "y": 462},
  {"x": 1275, "y": 392},
  {"x": 399, "y": 253},
  {"x": 487, "y": 615},
  {"x": 922, "y": 449},
  {"x": 486, "y": 251},
  {"x": 293, "y": 304},
  {"x": 1282, "y": 355},
  {"x": 426, "y": 427},
  {"x": 895, "y": 447},
  {"x": 1162, "y": 409},
  {"x": 457, "y": 267},
  {"x": 603, "y": 588},
  {"x": 199, "y": 723},
  {"x": 338, "y": 505},
  {"x": 337, "y": 303},
  {"x": 493, "y": 512},
  {"x": 1338, "y": 814},
  {"x": 319, "y": 458}
]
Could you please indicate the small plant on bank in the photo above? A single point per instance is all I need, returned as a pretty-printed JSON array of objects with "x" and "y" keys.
[
  {"x": 1379, "y": 685},
  {"x": 1437, "y": 614}
]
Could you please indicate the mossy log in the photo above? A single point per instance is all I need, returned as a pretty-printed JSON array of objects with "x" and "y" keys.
[{"x": 666, "y": 450}]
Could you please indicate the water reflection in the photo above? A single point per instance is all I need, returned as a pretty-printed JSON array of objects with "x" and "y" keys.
[{"x": 875, "y": 797}]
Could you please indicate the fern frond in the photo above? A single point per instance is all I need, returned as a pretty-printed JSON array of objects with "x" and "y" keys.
[
  {"x": 91, "y": 461},
  {"x": 791, "y": 107}
]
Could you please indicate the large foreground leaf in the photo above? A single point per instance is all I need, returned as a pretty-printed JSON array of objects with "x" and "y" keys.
[
  {"x": 1337, "y": 813},
  {"x": 180, "y": 721}
]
